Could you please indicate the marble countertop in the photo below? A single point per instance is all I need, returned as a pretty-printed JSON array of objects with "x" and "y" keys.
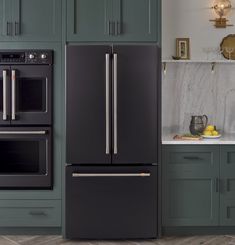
[{"x": 228, "y": 139}]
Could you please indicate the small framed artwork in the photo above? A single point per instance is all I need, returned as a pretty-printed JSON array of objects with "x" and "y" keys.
[{"x": 183, "y": 48}]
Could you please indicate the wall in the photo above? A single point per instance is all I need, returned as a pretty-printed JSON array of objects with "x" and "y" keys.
[
  {"x": 191, "y": 89},
  {"x": 190, "y": 18}
]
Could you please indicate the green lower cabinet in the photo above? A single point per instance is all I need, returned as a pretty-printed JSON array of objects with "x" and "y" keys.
[
  {"x": 227, "y": 192},
  {"x": 30, "y": 213},
  {"x": 190, "y": 185}
]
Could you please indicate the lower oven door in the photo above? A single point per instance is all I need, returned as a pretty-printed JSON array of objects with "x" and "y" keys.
[{"x": 25, "y": 158}]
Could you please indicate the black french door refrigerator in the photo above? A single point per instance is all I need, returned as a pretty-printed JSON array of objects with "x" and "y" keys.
[{"x": 112, "y": 139}]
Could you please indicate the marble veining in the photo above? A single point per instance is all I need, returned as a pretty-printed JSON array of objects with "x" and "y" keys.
[{"x": 192, "y": 89}]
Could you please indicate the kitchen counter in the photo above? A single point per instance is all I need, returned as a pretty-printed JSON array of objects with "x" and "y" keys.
[{"x": 224, "y": 140}]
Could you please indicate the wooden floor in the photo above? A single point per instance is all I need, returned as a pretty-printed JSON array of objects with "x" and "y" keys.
[{"x": 54, "y": 240}]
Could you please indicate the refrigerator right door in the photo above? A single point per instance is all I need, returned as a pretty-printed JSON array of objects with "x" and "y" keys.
[{"x": 135, "y": 103}]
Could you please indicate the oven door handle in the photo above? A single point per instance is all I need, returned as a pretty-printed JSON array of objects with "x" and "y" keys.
[
  {"x": 4, "y": 74},
  {"x": 13, "y": 95},
  {"x": 42, "y": 132}
]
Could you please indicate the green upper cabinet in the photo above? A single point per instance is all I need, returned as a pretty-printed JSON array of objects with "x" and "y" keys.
[
  {"x": 113, "y": 20},
  {"x": 30, "y": 20},
  {"x": 89, "y": 20},
  {"x": 135, "y": 20},
  {"x": 5, "y": 19}
]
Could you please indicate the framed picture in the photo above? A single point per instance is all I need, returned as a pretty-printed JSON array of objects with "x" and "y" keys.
[{"x": 183, "y": 48}]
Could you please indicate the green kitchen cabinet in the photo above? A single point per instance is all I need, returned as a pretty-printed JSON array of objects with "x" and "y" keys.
[
  {"x": 30, "y": 20},
  {"x": 5, "y": 19},
  {"x": 113, "y": 20},
  {"x": 190, "y": 185},
  {"x": 89, "y": 20},
  {"x": 30, "y": 213},
  {"x": 227, "y": 183},
  {"x": 136, "y": 20}
]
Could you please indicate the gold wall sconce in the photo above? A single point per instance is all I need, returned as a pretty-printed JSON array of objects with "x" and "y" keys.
[{"x": 222, "y": 8}]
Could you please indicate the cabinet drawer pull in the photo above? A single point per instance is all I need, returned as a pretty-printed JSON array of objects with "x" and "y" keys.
[
  {"x": 111, "y": 175},
  {"x": 192, "y": 158},
  {"x": 37, "y": 213}
]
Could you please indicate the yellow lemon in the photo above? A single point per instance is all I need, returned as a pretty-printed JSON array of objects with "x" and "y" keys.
[
  {"x": 215, "y": 133},
  {"x": 210, "y": 128},
  {"x": 207, "y": 133}
]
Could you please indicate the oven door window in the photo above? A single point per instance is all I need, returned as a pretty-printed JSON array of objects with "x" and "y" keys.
[
  {"x": 31, "y": 94},
  {"x": 23, "y": 157}
]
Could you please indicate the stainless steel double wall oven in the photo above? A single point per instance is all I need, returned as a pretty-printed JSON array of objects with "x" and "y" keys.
[{"x": 26, "y": 118}]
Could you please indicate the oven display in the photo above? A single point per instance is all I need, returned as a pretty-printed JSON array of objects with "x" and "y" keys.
[{"x": 12, "y": 57}]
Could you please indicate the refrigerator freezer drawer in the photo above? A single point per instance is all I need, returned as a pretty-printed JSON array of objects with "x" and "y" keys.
[{"x": 111, "y": 202}]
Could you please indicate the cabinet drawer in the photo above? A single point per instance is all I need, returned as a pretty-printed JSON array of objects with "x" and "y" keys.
[
  {"x": 111, "y": 202},
  {"x": 186, "y": 159},
  {"x": 33, "y": 213}
]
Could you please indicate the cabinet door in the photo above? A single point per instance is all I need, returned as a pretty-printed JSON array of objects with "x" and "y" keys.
[
  {"x": 135, "y": 20},
  {"x": 135, "y": 102},
  {"x": 227, "y": 175},
  {"x": 5, "y": 20},
  {"x": 88, "y": 136},
  {"x": 190, "y": 185},
  {"x": 35, "y": 20},
  {"x": 89, "y": 20}
]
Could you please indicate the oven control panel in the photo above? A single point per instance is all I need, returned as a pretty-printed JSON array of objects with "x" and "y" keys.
[{"x": 26, "y": 57}]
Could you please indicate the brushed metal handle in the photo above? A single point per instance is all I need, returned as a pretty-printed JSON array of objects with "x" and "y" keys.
[
  {"x": 42, "y": 132},
  {"x": 115, "y": 57},
  {"x": 39, "y": 213},
  {"x": 17, "y": 28},
  {"x": 13, "y": 95},
  {"x": 117, "y": 28},
  {"x": 217, "y": 185},
  {"x": 109, "y": 23},
  {"x": 107, "y": 76},
  {"x": 9, "y": 28},
  {"x": 4, "y": 113},
  {"x": 111, "y": 175},
  {"x": 228, "y": 185}
]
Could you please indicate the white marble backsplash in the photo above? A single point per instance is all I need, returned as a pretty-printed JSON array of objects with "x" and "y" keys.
[{"x": 192, "y": 89}]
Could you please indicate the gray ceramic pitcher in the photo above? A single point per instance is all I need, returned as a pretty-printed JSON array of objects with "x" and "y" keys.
[{"x": 198, "y": 124}]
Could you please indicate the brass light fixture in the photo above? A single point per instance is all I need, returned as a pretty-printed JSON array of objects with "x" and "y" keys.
[{"x": 222, "y": 8}]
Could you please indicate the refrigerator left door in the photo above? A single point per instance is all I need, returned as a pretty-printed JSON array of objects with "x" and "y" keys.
[
  {"x": 5, "y": 95},
  {"x": 88, "y": 99}
]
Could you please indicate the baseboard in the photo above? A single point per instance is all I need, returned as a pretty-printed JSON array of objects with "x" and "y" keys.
[{"x": 30, "y": 230}]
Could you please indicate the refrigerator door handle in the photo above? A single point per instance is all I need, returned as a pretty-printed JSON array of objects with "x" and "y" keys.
[
  {"x": 107, "y": 109},
  {"x": 76, "y": 175},
  {"x": 115, "y": 57},
  {"x": 4, "y": 74},
  {"x": 13, "y": 95}
]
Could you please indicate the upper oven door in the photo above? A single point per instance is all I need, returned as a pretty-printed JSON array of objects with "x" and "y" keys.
[{"x": 31, "y": 94}]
